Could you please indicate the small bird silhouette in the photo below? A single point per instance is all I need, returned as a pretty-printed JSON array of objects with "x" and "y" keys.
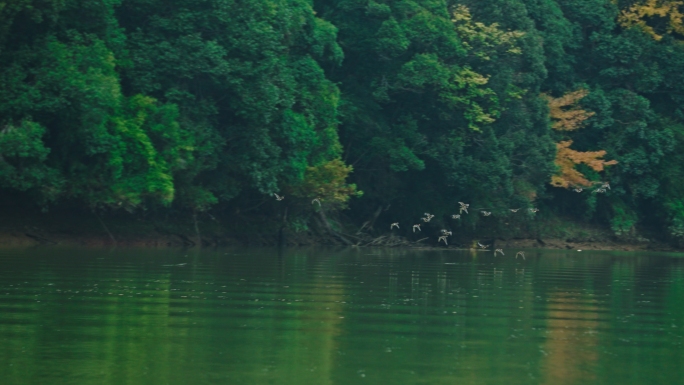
[
  {"x": 514, "y": 210},
  {"x": 498, "y": 251},
  {"x": 317, "y": 201},
  {"x": 394, "y": 224},
  {"x": 416, "y": 227},
  {"x": 486, "y": 213},
  {"x": 443, "y": 238},
  {"x": 520, "y": 253},
  {"x": 278, "y": 197},
  {"x": 464, "y": 207},
  {"x": 428, "y": 217},
  {"x": 482, "y": 246}
]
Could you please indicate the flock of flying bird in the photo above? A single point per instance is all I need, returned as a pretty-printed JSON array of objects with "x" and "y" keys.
[
  {"x": 464, "y": 208},
  {"x": 446, "y": 233},
  {"x": 604, "y": 186},
  {"x": 280, "y": 198}
]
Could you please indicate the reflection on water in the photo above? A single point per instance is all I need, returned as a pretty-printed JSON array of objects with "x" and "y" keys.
[
  {"x": 570, "y": 346},
  {"x": 251, "y": 316}
]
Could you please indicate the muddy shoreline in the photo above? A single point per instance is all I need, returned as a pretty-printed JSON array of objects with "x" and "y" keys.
[
  {"x": 34, "y": 237},
  {"x": 77, "y": 228}
]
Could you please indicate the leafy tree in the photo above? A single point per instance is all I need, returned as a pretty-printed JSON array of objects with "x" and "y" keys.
[
  {"x": 82, "y": 138},
  {"x": 190, "y": 105},
  {"x": 654, "y": 17},
  {"x": 249, "y": 87},
  {"x": 433, "y": 102},
  {"x": 328, "y": 183},
  {"x": 567, "y": 158},
  {"x": 567, "y": 116}
]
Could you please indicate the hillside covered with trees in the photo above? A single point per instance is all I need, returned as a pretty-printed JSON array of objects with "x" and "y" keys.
[{"x": 381, "y": 109}]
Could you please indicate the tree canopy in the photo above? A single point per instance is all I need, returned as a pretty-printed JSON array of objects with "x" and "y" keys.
[{"x": 401, "y": 106}]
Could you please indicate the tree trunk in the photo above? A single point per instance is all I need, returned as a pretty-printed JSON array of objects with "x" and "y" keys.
[
  {"x": 281, "y": 231},
  {"x": 197, "y": 231},
  {"x": 111, "y": 236},
  {"x": 332, "y": 232}
]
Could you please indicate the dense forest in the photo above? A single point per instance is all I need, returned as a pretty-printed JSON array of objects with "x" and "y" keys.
[{"x": 381, "y": 110}]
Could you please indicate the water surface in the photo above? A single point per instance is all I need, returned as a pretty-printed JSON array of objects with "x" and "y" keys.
[{"x": 323, "y": 316}]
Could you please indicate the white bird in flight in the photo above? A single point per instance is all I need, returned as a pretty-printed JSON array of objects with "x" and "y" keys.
[
  {"x": 416, "y": 227},
  {"x": 464, "y": 207},
  {"x": 482, "y": 246},
  {"x": 534, "y": 210},
  {"x": 443, "y": 238},
  {"x": 520, "y": 253},
  {"x": 498, "y": 251},
  {"x": 456, "y": 216},
  {"x": 317, "y": 201},
  {"x": 394, "y": 224},
  {"x": 278, "y": 197},
  {"x": 486, "y": 213}
]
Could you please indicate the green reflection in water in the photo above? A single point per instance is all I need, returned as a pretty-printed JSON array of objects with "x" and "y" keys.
[{"x": 251, "y": 316}]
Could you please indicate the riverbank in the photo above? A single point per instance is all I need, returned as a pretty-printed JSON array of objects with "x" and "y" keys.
[
  {"x": 62, "y": 228},
  {"x": 24, "y": 225}
]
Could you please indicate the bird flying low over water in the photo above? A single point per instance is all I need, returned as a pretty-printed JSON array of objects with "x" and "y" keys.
[
  {"x": 520, "y": 253},
  {"x": 442, "y": 238},
  {"x": 394, "y": 224},
  {"x": 498, "y": 251},
  {"x": 482, "y": 246},
  {"x": 278, "y": 197},
  {"x": 416, "y": 227},
  {"x": 514, "y": 210},
  {"x": 317, "y": 201},
  {"x": 428, "y": 217},
  {"x": 486, "y": 213},
  {"x": 464, "y": 207}
]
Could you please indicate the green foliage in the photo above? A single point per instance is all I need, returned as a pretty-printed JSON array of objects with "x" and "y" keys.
[
  {"x": 676, "y": 227},
  {"x": 327, "y": 182},
  {"x": 193, "y": 105},
  {"x": 250, "y": 90},
  {"x": 94, "y": 143},
  {"x": 433, "y": 102},
  {"x": 22, "y": 160},
  {"x": 623, "y": 220}
]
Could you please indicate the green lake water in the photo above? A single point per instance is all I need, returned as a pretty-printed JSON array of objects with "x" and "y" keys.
[{"x": 326, "y": 316}]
